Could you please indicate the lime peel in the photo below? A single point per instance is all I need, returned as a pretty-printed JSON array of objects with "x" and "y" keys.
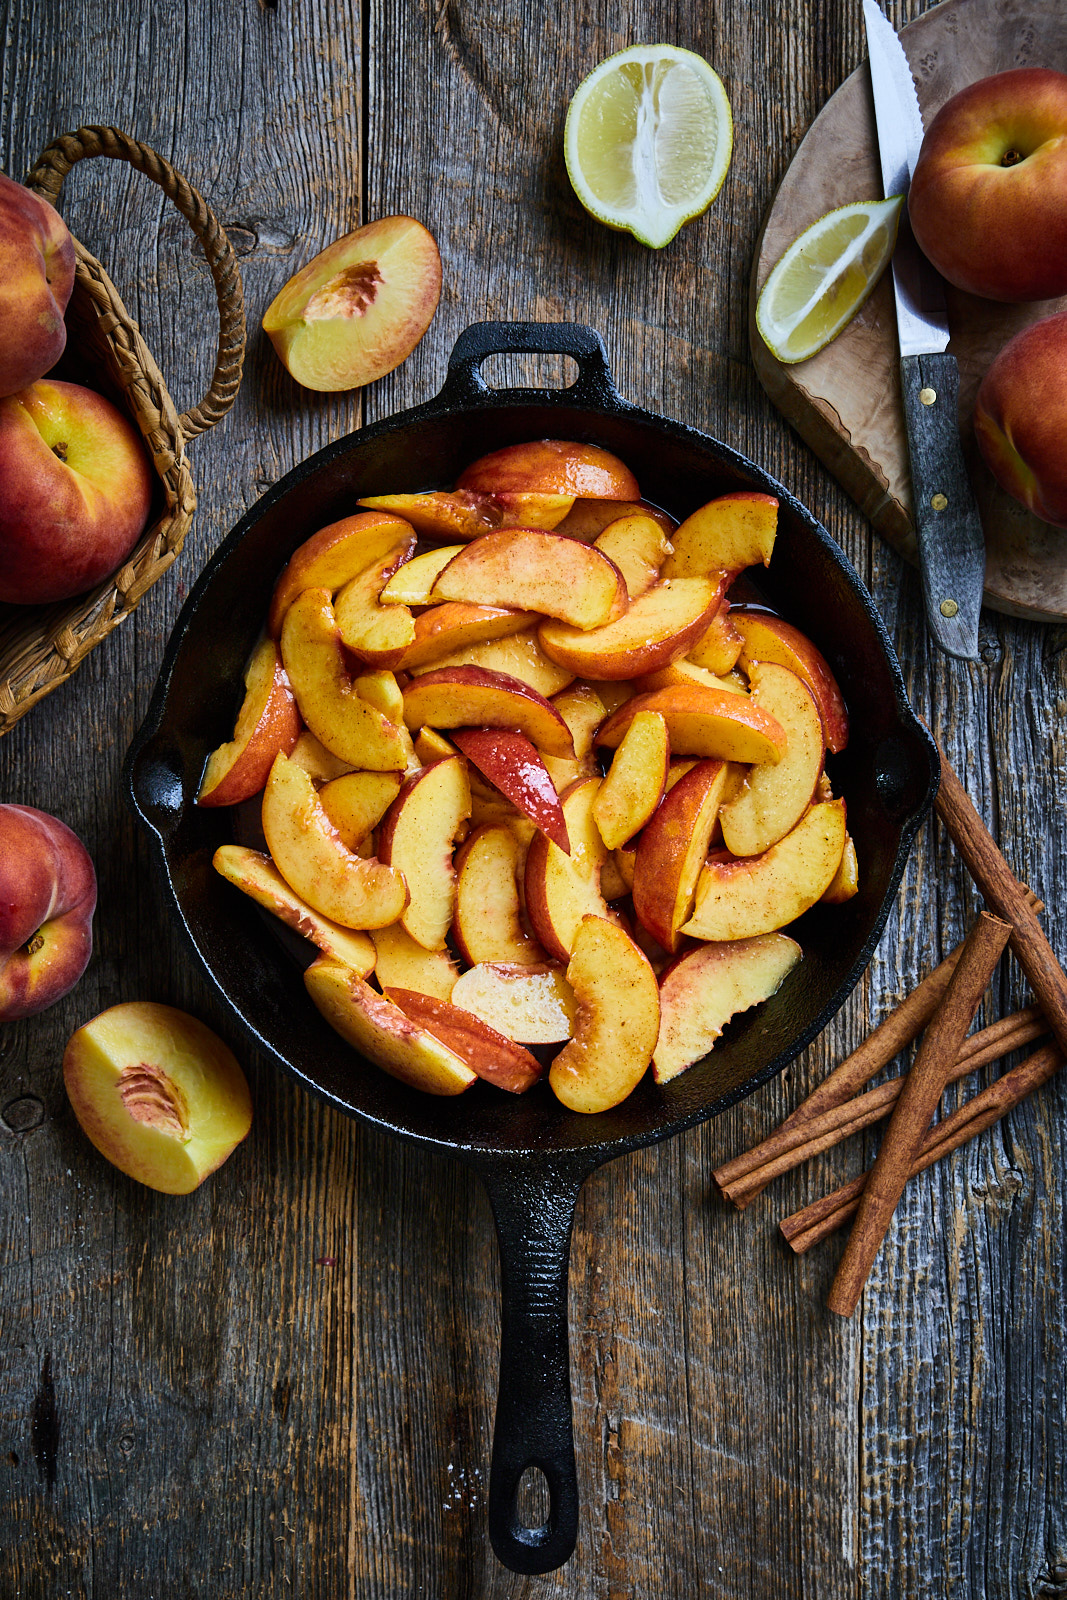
[{"x": 825, "y": 276}]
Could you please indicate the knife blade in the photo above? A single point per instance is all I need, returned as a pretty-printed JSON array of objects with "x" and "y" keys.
[{"x": 947, "y": 525}]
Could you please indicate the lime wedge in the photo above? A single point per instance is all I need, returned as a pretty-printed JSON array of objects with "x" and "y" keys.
[
  {"x": 825, "y": 276},
  {"x": 648, "y": 139}
]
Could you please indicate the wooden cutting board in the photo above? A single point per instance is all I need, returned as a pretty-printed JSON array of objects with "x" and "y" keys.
[{"x": 845, "y": 402}]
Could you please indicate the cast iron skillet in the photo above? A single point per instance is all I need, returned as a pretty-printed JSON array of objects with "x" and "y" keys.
[{"x": 532, "y": 1154}]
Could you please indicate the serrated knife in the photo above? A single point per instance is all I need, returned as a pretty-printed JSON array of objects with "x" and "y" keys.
[{"x": 947, "y": 525}]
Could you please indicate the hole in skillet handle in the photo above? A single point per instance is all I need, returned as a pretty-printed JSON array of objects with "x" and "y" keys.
[{"x": 594, "y": 385}]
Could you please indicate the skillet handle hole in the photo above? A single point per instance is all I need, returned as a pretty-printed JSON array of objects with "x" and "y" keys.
[
  {"x": 524, "y": 370},
  {"x": 533, "y": 1501}
]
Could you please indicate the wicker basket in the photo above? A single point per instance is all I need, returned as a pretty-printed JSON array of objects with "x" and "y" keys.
[{"x": 41, "y": 646}]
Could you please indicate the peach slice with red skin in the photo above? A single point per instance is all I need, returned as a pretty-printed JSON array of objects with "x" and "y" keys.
[
  {"x": 446, "y": 633},
  {"x": 773, "y": 798},
  {"x": 256, "y": 876},
  {"x": 726, "y": 535},
  {"x": 267, "y": 722},
  {"x": 473, "y": 697},
  {"x": 617, "y": 1020},
  {"x": 359, "y": 308},
  {"x": 158, "y": 1093},
  {"x": 766, "y": 637},
  {"x": 588, "y": 518},
  {"x": 487, "y": 924},
  {"x": 738, "y": 897},
  {"x": 530, "y": 1004},
  {"x": 519, "y": 654},
  {"x": 552, "y": 466},
  {"x": 561, "y": 889},
  {"x": 527, "y": 569},
  {"x": 338, "y": 553},
  {"x": 512, "y": 765},
  {"x": 672, "y": 849},
  {"x": 660, "y": 625},
  {"x": 382, "y": 1032},
  {"x": 492, "y": 1055},
  {"x": 711, "y": 723},
  {"x": 417, "y": 837},
  {"x": 466, "y": 514},
  {"x": 704, "y": 987}
]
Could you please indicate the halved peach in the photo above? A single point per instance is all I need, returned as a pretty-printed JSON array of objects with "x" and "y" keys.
[
  {"x": 765, "y": 637},
  {"x": 672, "y": 849},
  {"x": 531, "y": 1004},
  {"x": 741, "y": 896},
  {"x": 267, "y": 722},
  {"x": 511, "y": 763},
  {"x": 359, "y": 308},
  {"x": 634, "y": 784},
  {"x": 527, "y": 569},
  {"x": 617, "y": 1020},
  {"x": 336, "y": 554},
  {"x": 417, "y": 836},
  {"x": 472, "y": 697},
  {"x": 703, "y": 988},
  {"x": 552, "y": 466},
  {"x": 381, "y": 1031},
  {"x": 310, "y": 855},
  {"x": 256, "y": 875},
  {"x": 489, "y": 1053},
  {"x": 561, "y": 889},
  {"x": 638, "y": 546},
  {"x": 704, "y": 722},
  {"x": 349, "y": 726},
  {"x": 656, "y": 628},
  {"x": 401, "y": 962},
  {"x": 773, "y": 798},
  {"x": 487, "y": 923},
  {"x": 728, "y": 534}
]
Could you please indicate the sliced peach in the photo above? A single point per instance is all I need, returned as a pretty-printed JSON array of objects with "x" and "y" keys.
[
  {"x": 684, "y": 671},
  {"x": 718, "y": 650},
  {"x": 519, "y": 654},
  {"x": 638, "y": 546},
  {"x": 728, "y": 534},
  {"x": 157, "y": 1093},
  {"x": 531, "y": 1004},
  {"x": 552, "y": 466},
  {"x": 357, "y": 801},
  {"x": 319, "y": 763},
  {"x": 588, "y": 518},
  {"x": 336, "y": 554},
  {"x": 583, "y": 711},
  {"x": 532, "y": 509},
  {"x": 659, "y": 626},
  {"x": 412, "y": 582},
  {"x": 401, "y": 962},
  {"x": 634, "y": 784},
  {"x": 267, "y": 722},
  {"x": 445, "y": 634},
  {"x": 256, "y": 875},
  {"x": 487, "y": 925},
  {"x": 417, "y": 835},
  {"x": 511, "y": 763},
  {"x": 617, "y": 1021},
  {"x": 704, "y": 722},
  {"x": 378, "y": 634},
  {"x": 381, "y": 1032},
  {"x": 703, "y": 988},
  {"x": 312, "y": 858},
  {"x": 846, "y": 880},
  {"x": 380, "y": 689},
  {"x": 441, "y": 514},
  {"x": 765, "y": 637},
  {"x": 672, "y": 849},
  {"x": 527, "y": 569},
  {"x": 492, "y": 1055},
  {"x": 561, "y": 889},
  {"x": 773, "y": 798},
  {"x": 329, "y": 701},
  {"x": 359, "y": 308},
  {"x": 741, "y": 896},
  {"x": 472, "y": 697}
]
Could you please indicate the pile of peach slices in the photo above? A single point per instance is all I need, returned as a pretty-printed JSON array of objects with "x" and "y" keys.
[{"x": 529, "y": 783}]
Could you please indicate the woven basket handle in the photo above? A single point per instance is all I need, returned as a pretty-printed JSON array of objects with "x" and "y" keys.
[{"x": 46, "y": 179}]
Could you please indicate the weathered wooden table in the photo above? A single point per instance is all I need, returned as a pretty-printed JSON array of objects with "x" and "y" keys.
[{"x": 284, "y": 1383}]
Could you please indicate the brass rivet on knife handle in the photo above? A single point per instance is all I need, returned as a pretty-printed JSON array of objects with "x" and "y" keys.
[
  {"x": 1006, "y": 896},
  {"x": 915, "y": 1108}
]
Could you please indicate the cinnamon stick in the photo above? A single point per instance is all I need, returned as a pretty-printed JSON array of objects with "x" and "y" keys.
[
  {"x": 1006, "y": 896},
  {"x": 817, "y": 1221},
  {"x": 915, "y": 1107},
  {"x": 810, "y": 1138}
]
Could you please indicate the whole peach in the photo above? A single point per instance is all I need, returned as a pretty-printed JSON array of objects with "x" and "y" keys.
[
  {"x": 36, "y": 278},
  {"x": 988, "y": 198},
  {"x": 1020, "y": 418},
  {"x": 47, "y": 900},
  {"x": 75, "y": 491}
]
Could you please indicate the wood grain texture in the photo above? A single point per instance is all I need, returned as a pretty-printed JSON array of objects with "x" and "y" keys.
[{"x": 284, "y": 1384}]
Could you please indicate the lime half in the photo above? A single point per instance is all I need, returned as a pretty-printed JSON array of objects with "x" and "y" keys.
[
  {"x": 825, "y": 276},
  {"x": 648, "y": 140}
]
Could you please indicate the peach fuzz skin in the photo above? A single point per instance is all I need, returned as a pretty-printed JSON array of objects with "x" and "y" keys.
[
  {"x": 1020, "y": 419},
  {"x": 47, "y": 900},
  {"x": 36, "y": 279},
  {"x": 75, "y": 491}
]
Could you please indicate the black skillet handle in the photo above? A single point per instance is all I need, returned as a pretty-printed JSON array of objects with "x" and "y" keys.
[
  {"x": 533, "y": 1202},
  {"x": 594, "y": 385}
]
